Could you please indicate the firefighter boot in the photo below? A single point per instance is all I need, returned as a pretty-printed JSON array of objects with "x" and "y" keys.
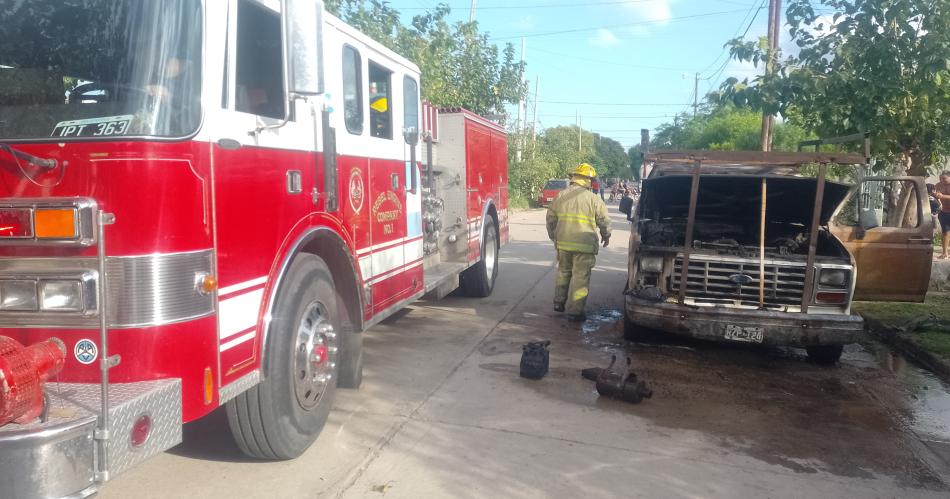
[
  {"x": 563, "y": 279},
  {"x": 582, "y": 263}
]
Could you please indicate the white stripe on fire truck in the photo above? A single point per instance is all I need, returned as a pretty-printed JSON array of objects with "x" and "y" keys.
[
  {"x": 240, "y": 339},
  {"x": 242, "y": 285},
  {"x": 387, "y": 244},
  {"x": 385, "y": 261},
  {"x": 393, "y": 272},
  {"x": 237, "y": 314}
]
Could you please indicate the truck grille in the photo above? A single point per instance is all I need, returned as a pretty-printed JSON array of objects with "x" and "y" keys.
[{"x": 714, "y": 282}]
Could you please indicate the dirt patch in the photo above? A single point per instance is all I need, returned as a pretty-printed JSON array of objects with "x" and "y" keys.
[{"x": 848, "y": 420}]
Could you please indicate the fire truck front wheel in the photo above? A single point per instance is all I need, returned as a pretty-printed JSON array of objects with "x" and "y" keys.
[
  {"x": 280, "y": 417},
  {"x": 479, "y": 279}
]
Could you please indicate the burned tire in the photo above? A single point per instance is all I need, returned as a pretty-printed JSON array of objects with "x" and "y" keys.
[
  {"x": 479, "y": 279},
  {"x": 824, "y": 355},
  {"x": 280, "y": 417}
]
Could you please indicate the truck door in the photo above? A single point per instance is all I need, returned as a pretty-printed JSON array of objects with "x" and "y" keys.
[
  {"x": 262, "y": 174},
  {"x": 887, "y": 226},
  {"x": 387, "y": 167}
]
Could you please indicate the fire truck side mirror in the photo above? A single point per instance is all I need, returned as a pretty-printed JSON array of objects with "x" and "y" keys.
[
  {"x": 411, "y": 135},
  {"x": 303, "y": 46}
]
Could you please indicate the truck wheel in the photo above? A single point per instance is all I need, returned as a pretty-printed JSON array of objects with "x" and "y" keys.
[
  {"x": 825, "y": 355},
  {"x": 280, "y": 417},
  {"x": 479, "y": 279}
]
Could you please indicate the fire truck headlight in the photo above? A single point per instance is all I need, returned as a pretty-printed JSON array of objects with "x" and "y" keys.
[
  {"x": 61, "y": 296},
  {"x": 18, "y": 295}
]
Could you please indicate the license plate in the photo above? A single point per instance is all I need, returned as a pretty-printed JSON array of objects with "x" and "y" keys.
[
  {"x": 94, "y": 127},
  {"x": 550, "y": 199},
  {"x": 744, "y": 334}
]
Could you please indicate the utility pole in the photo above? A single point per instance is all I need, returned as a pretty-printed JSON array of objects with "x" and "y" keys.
[
  {"x": 522, "y": 109},
  {"x": 471, "y": 13},
  {"x": 644, "y": 150},
  {"x": 695, "y": 94},
  {"x": 534, "y": 124},
  {"x": 579, "y": 132},
  {"x": 775, "y": 16}
]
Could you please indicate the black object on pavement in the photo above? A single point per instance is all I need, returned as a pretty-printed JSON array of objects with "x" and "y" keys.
[
  {"x": 623, "y": 386},
  {"x": 535, "y": 358}
]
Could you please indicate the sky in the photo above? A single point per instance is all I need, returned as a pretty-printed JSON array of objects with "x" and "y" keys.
[{"x": 622, "y": 65}]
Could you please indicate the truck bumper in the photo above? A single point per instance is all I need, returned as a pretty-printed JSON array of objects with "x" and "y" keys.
[
  {"x": 778, "y": 328},
  {"x": 58, "y": 458}
]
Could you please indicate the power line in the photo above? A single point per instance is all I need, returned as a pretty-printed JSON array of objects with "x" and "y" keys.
[
  {"x": 752, "y": 12},
  {"x": 608, "y": 116},
  {"x": 537, "y": 6},
  {"x": 624, "y": 25},
  {"x": 610, "y": 103},
  {"x": 610, "y": 63}
]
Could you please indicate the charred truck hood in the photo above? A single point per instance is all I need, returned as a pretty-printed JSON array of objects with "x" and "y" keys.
[{"x": 728, "y": 214}]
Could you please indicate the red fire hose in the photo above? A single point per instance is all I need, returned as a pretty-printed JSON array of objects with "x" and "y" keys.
[{"x": 23, "y": 371}]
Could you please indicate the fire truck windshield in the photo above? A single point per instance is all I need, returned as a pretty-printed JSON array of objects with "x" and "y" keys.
[{"x": 84, "y": 69}]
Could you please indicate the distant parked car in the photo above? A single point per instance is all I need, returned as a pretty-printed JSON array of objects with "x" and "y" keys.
[{"x": 551, "y": 190}]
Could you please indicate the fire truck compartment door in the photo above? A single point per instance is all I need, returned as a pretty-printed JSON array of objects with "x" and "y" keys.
[{"x": 885, "y": 223}]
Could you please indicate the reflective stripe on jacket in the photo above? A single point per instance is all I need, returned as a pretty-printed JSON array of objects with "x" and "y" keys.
[{"x": 574, "y": 218}]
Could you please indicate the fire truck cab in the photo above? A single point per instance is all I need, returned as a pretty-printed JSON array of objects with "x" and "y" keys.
[{"x": 204, "y": 204}]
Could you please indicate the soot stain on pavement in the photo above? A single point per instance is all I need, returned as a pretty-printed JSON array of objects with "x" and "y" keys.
[{"x": 768, "y": 403}]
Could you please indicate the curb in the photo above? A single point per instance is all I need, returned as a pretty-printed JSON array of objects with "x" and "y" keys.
[{"x": 906, "y": 346}]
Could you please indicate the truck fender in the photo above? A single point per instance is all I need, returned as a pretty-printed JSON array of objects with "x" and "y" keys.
[{"x": 326, "y": 243}]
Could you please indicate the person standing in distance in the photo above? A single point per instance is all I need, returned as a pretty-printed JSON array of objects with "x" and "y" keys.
[
  {"x": 942, "y": 193},
  {"x": 573, "y": 221}
]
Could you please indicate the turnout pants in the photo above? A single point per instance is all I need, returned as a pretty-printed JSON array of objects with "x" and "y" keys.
[{"x": 573, "y": 280}]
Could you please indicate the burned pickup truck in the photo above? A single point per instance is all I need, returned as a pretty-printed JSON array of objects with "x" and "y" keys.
[{"x": 762, "y": 248}]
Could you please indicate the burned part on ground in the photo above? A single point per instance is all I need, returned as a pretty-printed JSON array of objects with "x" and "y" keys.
[{"x": 741, "y": 247}]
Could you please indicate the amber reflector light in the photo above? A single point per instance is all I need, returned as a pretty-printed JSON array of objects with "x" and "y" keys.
[
  {"x": 58, "y": 223},
  {"x": 15, "y": 222},
  {"x": 831, "y": 297}
]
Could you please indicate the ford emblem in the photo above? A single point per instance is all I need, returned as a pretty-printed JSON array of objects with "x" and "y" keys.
[{"x": 741, "y": 279}]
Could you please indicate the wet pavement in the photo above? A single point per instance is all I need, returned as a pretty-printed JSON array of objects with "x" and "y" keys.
[{"x": 443, "y": 413}]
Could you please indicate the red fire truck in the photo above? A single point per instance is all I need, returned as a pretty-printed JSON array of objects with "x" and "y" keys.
[{"x": 205, "y": 204}]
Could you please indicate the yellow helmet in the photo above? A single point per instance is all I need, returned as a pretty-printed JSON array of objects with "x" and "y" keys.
[{"x": 585, "y": 170}]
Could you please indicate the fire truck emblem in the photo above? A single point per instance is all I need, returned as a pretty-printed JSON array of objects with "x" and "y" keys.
[
  {"x": 356, "y": 190},
  {"x": 86, "y": 351},
  {"x": 387, "y": 215}
]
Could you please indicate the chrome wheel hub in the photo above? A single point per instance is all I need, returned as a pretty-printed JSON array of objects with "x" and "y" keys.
[
  {"x": 315, "y": 355},
  {"x": 491, "y": 254}
]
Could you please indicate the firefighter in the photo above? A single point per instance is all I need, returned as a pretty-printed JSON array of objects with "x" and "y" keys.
[{"x": 573, "y": 220}]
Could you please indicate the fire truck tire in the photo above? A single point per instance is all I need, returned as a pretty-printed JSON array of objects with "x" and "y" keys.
[
  {"x": 479, "y": 279},
  {"x": 281, "y": 416},
  {"x": 351, "y": 363}
]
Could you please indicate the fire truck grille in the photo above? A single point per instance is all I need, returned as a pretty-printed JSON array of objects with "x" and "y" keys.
[{"x": 736, "y": 282}]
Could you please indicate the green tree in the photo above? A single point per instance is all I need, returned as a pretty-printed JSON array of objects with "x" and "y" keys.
[
  {"x": 459, "y": 66},
  {"x": 875, "y": 66},
  {"x": 610, "y": 158},
  {"x": 725, "y": 127}
]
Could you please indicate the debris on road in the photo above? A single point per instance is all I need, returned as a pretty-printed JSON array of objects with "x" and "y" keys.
[
  {"x": 535, "y": 358},
  {"x": 623, "y": 386}
]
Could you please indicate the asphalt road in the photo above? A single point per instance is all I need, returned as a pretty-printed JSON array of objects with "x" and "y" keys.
[{"x": 443, "y": 413}]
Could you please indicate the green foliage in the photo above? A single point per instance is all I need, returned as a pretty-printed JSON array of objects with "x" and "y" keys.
[
  {"x": 636, "y": 161},
  {"x": 726, "y": 128},
  {"x": 877, "y": 66},
  {"x": 459, "y": 66},
  {"x": 554, "y": 154}
]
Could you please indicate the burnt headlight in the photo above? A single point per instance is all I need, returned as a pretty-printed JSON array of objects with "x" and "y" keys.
[
  {"x": 834, "y": 278},
  {"x": 653, "y": 264},
  {"x": 61, "y": 296}
]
